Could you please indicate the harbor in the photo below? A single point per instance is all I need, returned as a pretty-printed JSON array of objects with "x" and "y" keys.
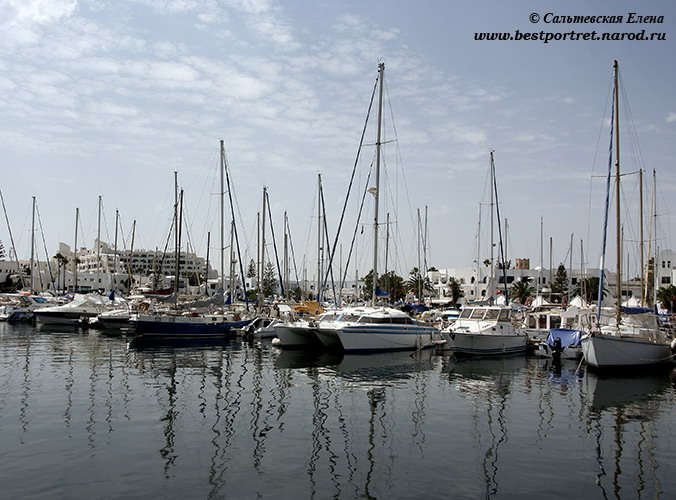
[
  {"x": 83, "y": 414},
  {"x": 356, "y": 250}
]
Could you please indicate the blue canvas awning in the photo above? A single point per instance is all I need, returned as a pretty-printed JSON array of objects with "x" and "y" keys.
[{"x": 568, "y": 337}]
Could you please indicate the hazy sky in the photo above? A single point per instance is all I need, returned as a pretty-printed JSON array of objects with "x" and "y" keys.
[{"x": 109, "y": 98}]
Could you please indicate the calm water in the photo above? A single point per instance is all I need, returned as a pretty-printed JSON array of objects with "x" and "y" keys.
[{"x": 83, "y": 415}]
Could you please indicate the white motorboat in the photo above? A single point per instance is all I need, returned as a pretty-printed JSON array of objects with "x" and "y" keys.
[
  {"x": 485, "y": 331},
  {"x": 81, "y": 308},
  {"x": 372, "y": 328}
]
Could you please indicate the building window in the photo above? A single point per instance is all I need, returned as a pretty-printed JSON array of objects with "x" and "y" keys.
[{"x": 666, "y": 280}]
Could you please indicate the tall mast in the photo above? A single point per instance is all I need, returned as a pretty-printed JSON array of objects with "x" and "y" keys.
[
  {"x": 131, "y": 256},
  {"x": 117, "y": 221},
  {"x": 646, "y": 271},
  {"x": 77, "y": 217},
  {"x": 618, "y": 245},
  {"x": 478, "y": 256},
  {"x": 381, "y": 71},
  {"x": 260, "y": 289},
  {"x": 640, "y": 243},
  {"x": 98, "y": 247},
  {"x": 33, "y": 248},
  {"x": 11, "y": 238},
  {"x": 222, "y": 172},
  {"x": 492, "y": 242},
  {"x": 179, "y": 225},
  {"x": 286, "y": 252},
  {"x": 318, "y": 284}
]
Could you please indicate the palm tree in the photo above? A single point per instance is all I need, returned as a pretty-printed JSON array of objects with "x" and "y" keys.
[
  {"x": 667, "y": 296},
  {"x": 418, "y": 284},
  {"x": 521, "y": 290},
  {"x": 455, "y": 288},
  {"x": 588, "y": 289}
]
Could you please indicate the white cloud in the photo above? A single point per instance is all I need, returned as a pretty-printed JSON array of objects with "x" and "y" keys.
[
  {"x": 27, "y": 12},
  {"x": 671, "y": 117}
]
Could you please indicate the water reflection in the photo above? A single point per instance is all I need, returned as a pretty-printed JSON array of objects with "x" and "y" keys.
[
  {"x": 622, "y": 417},
  {"x": 229, "y": 419}
]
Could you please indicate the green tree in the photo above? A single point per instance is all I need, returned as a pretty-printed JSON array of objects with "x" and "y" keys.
[
  {"x": 559, "y": 286},
  {"x": 588, "y": 289},
  {"x": 455, "y": 288},
  {"x": 8, "y": 285},
  {"x": 521, "y": 290},
  {"x": 418, "y": 284},
  {"x": 667, "y": 297},
  {"x": 389, "y": 282},
  {"x": 269, "y": 282}
]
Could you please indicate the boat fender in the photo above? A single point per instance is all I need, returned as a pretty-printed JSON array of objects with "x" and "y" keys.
[
  {"x": 529, "y": 301},
  {"x": 673, "y": 346}
]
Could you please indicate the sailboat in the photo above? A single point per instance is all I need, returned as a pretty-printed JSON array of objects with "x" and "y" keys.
[
  {"x": 196, "y": 319},
  {"x": 487, "y": 329},
  {"x": 375, "y": 328},
  {"x": 632, "y": 337}
]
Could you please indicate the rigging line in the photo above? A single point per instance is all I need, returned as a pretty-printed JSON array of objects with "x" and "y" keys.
[
  {"x": 224, "y": 158},
  {"x": 354, "y": 235},
  {"x": 606, "y": 213},
  {"x": 354, "y": 169},
  {"x": 609, "y": 94},
  {"x": 308, "y": 228},
  {"x": 293, "y": 256},
  {"x": 11, "y": 239},
  {"x": 632, "y": 133},
  {"x": 502, "y": 249},
  {"x": 328, "y": 243},
  {"x": 105, "y": 221},
  {"x": 400, "y": 158},
  {"x": 274, "y": 245},
  {"x": 44, "y": 243}
]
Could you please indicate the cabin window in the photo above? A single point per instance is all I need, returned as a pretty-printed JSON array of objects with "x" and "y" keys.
[
  {"x": 465, "y": 313},
  {"x": 492, "y": 314},
  {"x": 504, "y": 315},
  {"x": 477, "y": 313}
]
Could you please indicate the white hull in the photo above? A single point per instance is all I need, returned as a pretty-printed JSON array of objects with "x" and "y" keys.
[
  {"x": 386, "y": 337},
  {"x": 485, "y": 344},
  {"x": 329, "y": 338},
  {"x": 613, "y": 351},
  {"x": 297, "y": 334}
]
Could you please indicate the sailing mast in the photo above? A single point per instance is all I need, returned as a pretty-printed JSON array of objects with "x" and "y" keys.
[
  {"x": 618, "y": 247},
  {"x": 222, "y": 202},
  {"x": 77, "y": 217},
  {"x": 98, "y": 247},
  {"x": 381, "y": 71},
  {"x": 33, "y": 248},
  {"x": 646, "y": 270}
]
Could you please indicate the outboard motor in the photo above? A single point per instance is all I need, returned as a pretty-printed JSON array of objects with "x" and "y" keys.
[{"x": 557, "y": 349}]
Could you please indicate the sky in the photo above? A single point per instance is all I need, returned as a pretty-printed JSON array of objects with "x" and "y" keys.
[{"x": 110, "y": 98}]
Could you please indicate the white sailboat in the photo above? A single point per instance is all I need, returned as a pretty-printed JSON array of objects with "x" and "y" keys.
[
  {"x": 631, "y": 337},
  {"x": 375, "y": 328}
]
